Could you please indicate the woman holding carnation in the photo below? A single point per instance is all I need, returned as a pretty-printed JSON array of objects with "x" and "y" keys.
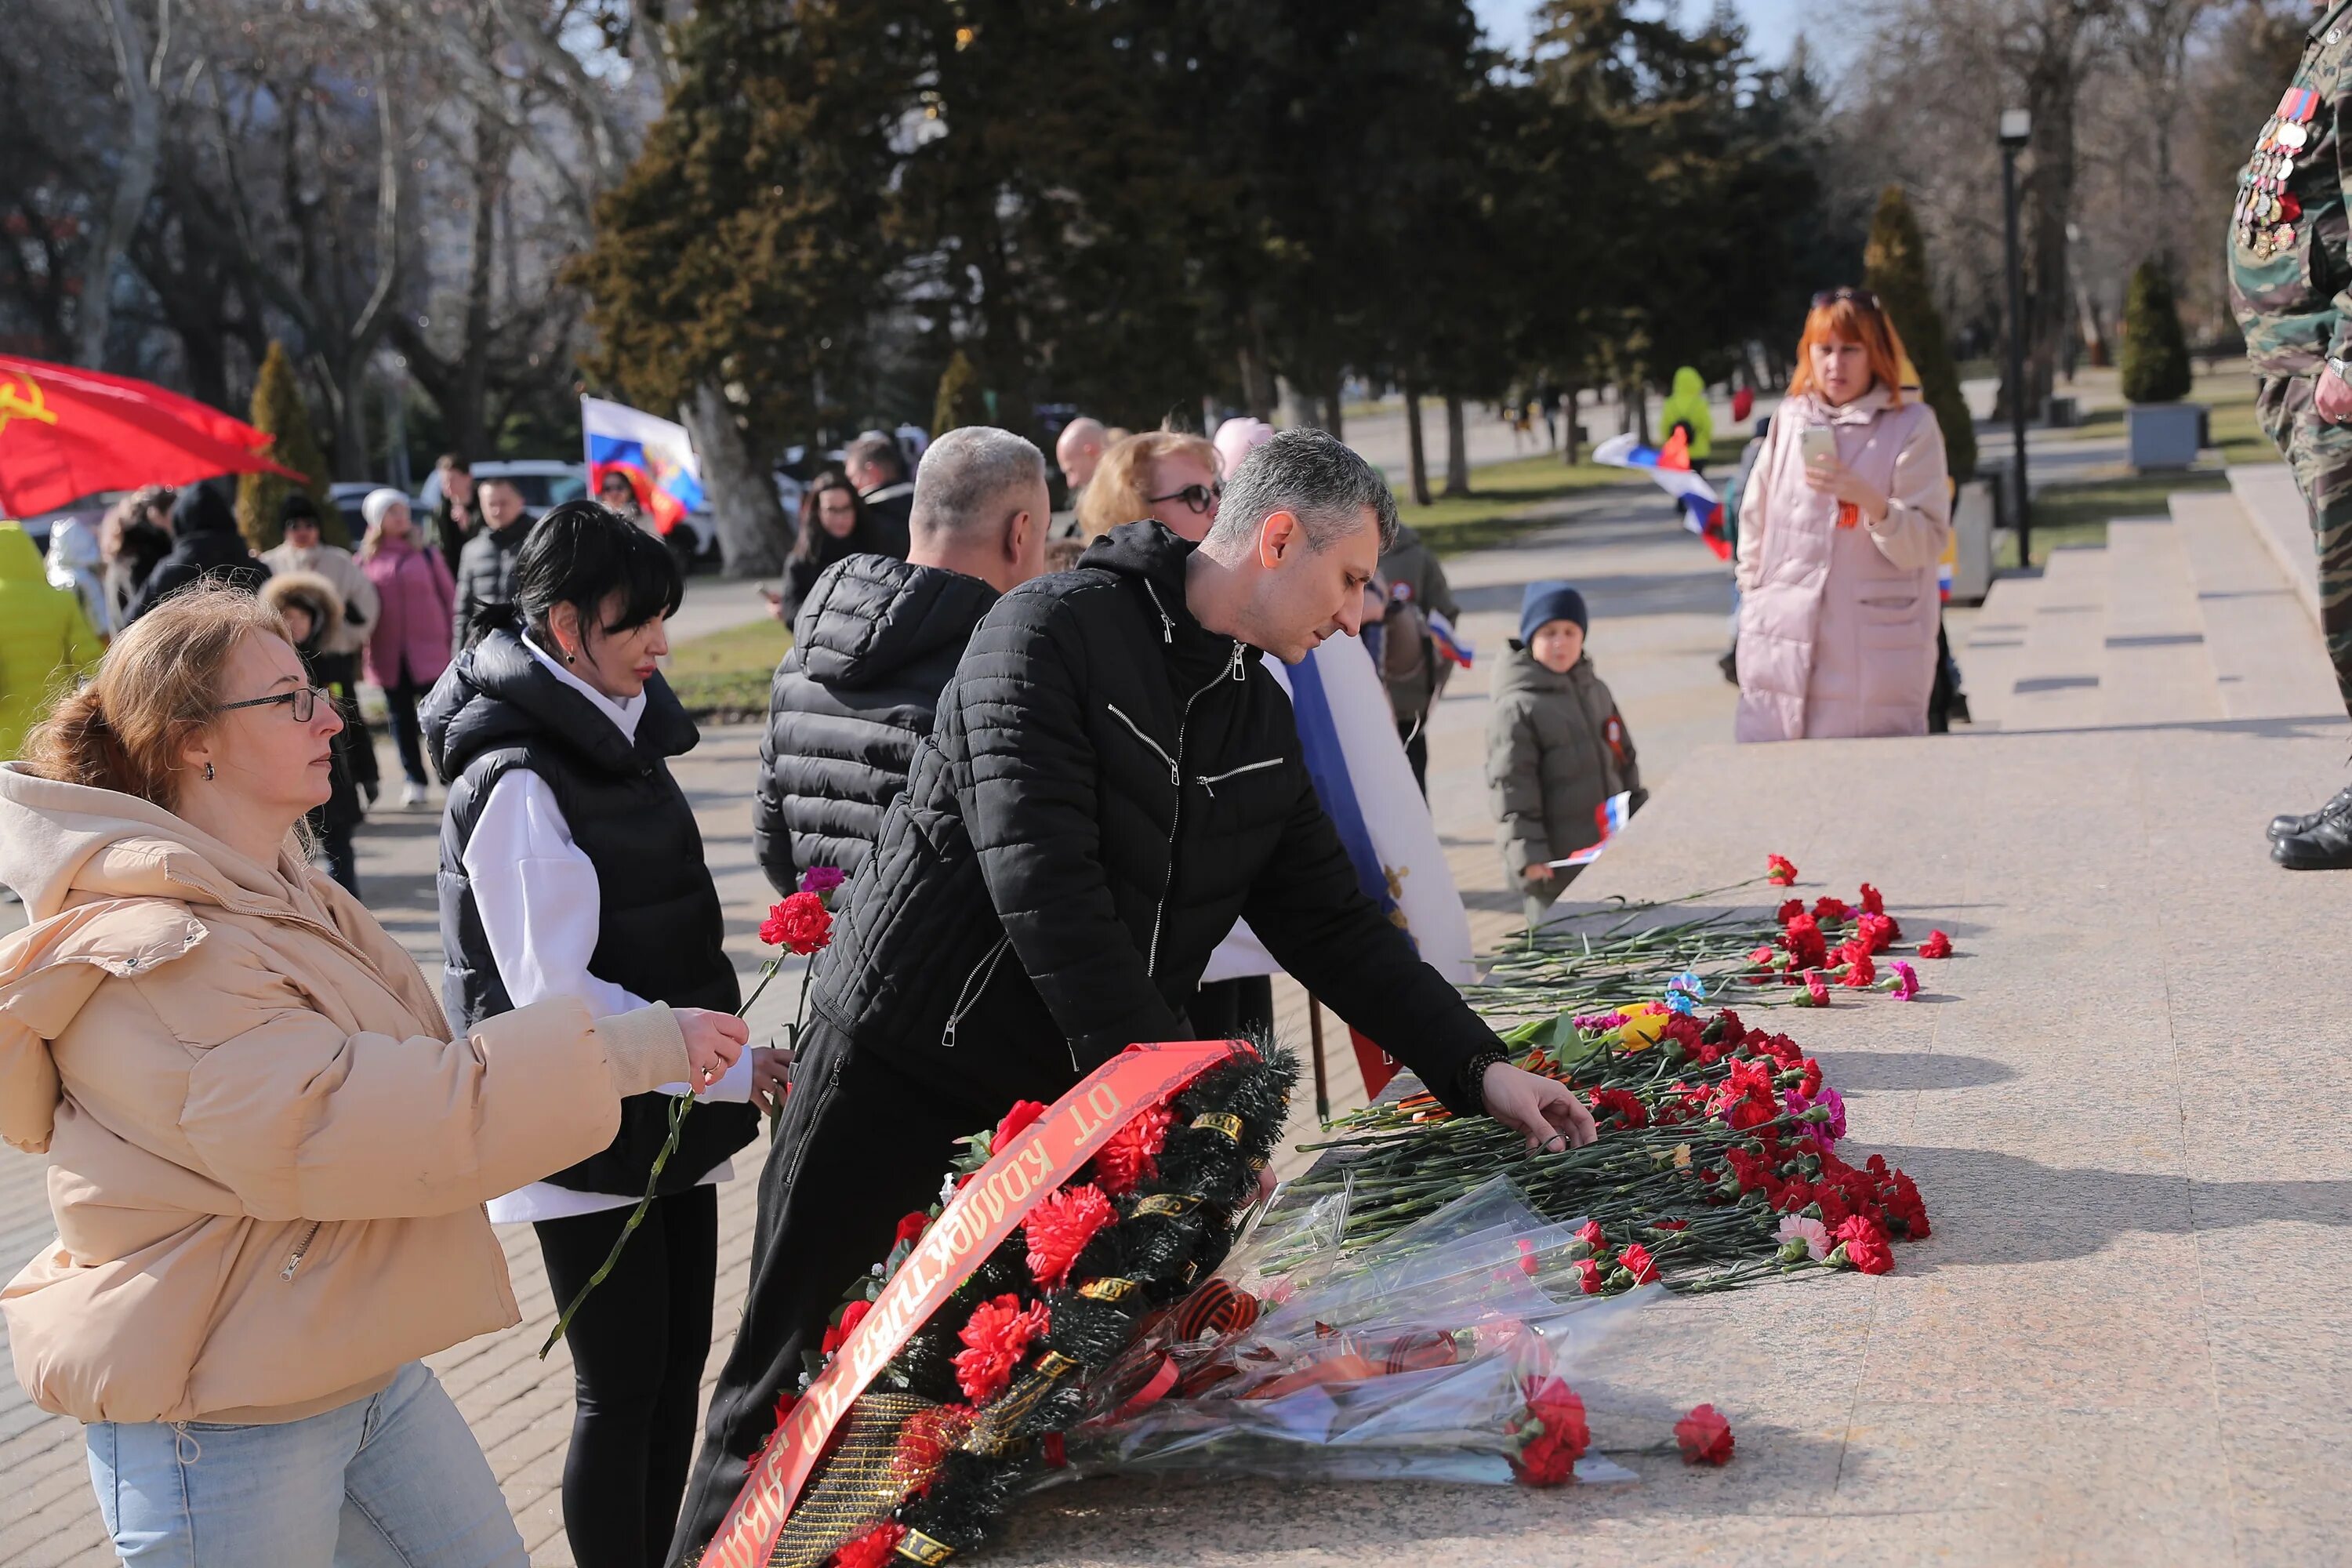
[
  {"x": 1841, "y": 525},
  {"x": 571, "y": 866},
  {"x": 268, "y": 1157}
]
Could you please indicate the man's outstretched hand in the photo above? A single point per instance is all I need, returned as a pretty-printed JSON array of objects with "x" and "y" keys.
[{"x": 1545, "y": 1109}]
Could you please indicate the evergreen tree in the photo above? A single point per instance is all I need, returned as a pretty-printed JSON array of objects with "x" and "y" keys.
[
  {"x": 1894, "y": 268},
  {"x": 278, "y": 408},
  {"x": 960, "y": 403},
  {"x": 2155, "y": 354}
]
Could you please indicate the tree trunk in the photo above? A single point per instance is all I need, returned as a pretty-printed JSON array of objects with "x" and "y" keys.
[
  {"x": 743, "y": 505},
  {"x": 1458, "y": 448},
  {"x": 1569, "y": 449},
  {"x": 1638, "y": 396},
  {"x": 134, "y": 179},
  {"x": 1417, "y": 459},
  {"x": 1333, "y": 401}
]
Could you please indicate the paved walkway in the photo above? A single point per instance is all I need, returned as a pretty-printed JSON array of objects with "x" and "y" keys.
[{"x": 2122, "y": 1344}]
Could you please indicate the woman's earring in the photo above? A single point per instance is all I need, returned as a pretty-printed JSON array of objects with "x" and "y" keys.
[{"x": 208, "y": 773}]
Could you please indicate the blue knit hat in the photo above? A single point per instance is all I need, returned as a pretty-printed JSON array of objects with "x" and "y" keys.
[{"x": 1550, "y": 602}]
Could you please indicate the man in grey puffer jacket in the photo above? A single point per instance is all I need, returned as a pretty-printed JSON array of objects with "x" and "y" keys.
[{"x": 1557, "y": 748}]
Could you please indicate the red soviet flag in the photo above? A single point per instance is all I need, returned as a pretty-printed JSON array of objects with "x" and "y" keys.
[{"x": 65, "y": 433}]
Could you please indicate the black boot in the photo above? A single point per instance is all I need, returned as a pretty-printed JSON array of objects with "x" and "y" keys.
[
  {"x": 2289, "y": 827},
  {"x": 2326, "y": 848}
]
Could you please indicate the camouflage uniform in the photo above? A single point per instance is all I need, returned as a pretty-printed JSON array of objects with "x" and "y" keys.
[{"x": 2291, "y": 287}]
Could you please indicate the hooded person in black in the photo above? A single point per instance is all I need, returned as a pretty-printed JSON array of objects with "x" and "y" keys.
[
  {"x": 204, "y": 543},
  {"x": 874, "y": 643},
  {"x": 572, "y": 866},
  {"x": 1109, "y": 783}
]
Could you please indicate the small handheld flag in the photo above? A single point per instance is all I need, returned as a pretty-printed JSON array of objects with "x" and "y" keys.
[
  {"x": 1451, "y": 645},
  {"x": 1702, "y": 508},
  {"x": 1609, "y": 817}
]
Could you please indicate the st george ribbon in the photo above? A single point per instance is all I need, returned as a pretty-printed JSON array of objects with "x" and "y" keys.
[{"x": 988, "y": 1209}]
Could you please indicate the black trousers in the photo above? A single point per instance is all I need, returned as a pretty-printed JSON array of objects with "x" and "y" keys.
[
  {"x": 861, "y": 1146},
  {"x": 407, "y": 735},
  {"x": 1239, "y": 1009},
  {"x": 638, "y": 1346},
  {"x": 1414, "y": 733}
]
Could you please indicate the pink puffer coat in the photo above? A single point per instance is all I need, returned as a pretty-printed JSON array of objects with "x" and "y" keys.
[
  {"x": 1837, "y": 625},
  {"x": 412, "y": 625}
]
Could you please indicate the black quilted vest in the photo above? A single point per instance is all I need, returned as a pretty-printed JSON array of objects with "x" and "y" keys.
[{"x": 660, "y": 923}]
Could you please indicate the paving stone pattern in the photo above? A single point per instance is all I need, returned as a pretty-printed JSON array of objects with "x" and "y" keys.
[{"x": 2122, "y": 1344}]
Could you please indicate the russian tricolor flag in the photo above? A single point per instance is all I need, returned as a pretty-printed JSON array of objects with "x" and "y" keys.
[
  {"x": 1702, "y": 508},
  {"x": 1451, "y": 645},
  {"x": 654, "y": 452},
  {"x": 1609, "y": 817}
]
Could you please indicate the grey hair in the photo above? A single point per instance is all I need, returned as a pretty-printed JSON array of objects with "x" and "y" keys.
[
  {"x": 967, "y": 476},
  {"x": 879, "y": 449},
  {"x": 1312, "y": 474}
]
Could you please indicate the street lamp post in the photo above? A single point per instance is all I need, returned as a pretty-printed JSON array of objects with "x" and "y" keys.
[{"x": 2016, "y": 128}]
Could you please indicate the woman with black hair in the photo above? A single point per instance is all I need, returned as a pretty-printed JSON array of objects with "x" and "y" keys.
[
  {"x": 570, "y": 865},
  {"x": 834, "y": 523}
]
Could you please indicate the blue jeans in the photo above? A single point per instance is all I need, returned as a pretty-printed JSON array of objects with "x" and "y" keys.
[{"x": 395, "y": 1480}]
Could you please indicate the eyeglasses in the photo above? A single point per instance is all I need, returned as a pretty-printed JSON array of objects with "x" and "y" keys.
[
  {"x": 303, "y": 699},
  {"x": 1201, "y": 498},
  {"x": 1862, "y": 296}
]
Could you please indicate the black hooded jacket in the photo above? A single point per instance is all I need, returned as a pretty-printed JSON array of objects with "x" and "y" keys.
[
  {"x": 659, "y": 925},
  {"x": 871, "y": 648},
  {"x": 204, "y": 543},
  {"x": 1108, "y": 787}
]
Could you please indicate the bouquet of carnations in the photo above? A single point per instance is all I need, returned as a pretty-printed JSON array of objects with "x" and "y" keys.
[{"x": 1461, "y": 1348}]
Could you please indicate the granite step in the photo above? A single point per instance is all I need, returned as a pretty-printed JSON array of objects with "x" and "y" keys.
[
  {"x": 2282, "y": 525},
  {"x": 2057, "y": 685},
  {"x": 1991, "y": 652},
  {"x": 2267, "y": 661},
  {"x": 2155, "y": 668}
]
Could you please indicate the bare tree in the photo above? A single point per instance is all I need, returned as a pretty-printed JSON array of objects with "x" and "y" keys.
[{"x": 139, "y": 81}]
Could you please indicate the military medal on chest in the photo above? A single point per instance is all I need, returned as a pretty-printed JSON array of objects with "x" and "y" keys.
[{"x": 2267, "y": 210}]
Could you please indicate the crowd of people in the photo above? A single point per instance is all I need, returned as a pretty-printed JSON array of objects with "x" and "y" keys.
[{"x": 1048, "y": 753}]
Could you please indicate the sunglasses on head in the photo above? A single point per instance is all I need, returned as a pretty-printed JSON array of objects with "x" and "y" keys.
[
  {"x": 1862, "y": 296},
  {"x": 1201, "y": 498}
]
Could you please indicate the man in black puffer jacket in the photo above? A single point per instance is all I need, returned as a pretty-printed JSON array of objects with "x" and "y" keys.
[
  {"x": 1111, "y": 781},
  {"x": 486, "y": 566},
  {"x": 874, "y": 643}
]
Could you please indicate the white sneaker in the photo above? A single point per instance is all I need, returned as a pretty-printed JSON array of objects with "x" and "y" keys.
[{"x": 411, "y": 794}]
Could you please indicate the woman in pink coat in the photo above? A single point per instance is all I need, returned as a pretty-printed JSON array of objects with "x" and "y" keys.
[
  {"x": 411, "y": 645},
  {"x": 1844, "y": 518}
]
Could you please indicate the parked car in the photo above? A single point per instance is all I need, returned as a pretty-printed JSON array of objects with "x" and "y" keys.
[{"x": 543, "y": 482}]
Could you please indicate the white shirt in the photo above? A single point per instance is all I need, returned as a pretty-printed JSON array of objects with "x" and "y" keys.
[{"x": 536, "y": 893}]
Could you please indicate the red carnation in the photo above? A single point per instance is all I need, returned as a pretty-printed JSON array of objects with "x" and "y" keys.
[
  {"x": 799, "y": 922},
  {"x": 838, "y": 1334},
  {"x": 1817, "y": 990},
  {"x": 911, "y": 1228},
  {"x": 1808, "y": 949},
  {"x": 1865, "y": 1245},
  {"x": 1829, "y": 907},
  {"x": 995, "y": 1338},
  {"x": 1858, "y": 970},
  {"x": 1871, "y": 901},
  {"x": 1590, "y": 1233},
  {"x": 1133, "y": 1155},
  {"x": 875, "y": 1549},
  {"x": 1589, "y": 1272},
  {"x": 1551, "y": 1436},
  {"x": 1636, "y": 1261},
  {"x": 1789, "y": 910},
  {"x": 1626, "y": 1107},
  {"x": 1705, "y": 1436},
  {"x": 1879, "y": 931},
  {"x": 1781, "y": 872},
  {"x": 1058, "y": 1230},
  {"x": 1938, "y": 945},
  {"x": 1761, "y": 958},
  {"x": 925, "y": 1439},
  {"x": 1016, "y": 1122}
]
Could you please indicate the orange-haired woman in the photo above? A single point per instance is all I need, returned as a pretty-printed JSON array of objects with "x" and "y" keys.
[{"x": 1844, "y": 519}]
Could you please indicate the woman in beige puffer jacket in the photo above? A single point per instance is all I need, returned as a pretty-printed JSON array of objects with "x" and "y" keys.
[{"x": 268, "y": 1160}]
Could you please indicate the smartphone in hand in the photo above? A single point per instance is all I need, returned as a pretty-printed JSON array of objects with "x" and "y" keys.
[{"x": 1817, "y": 444}]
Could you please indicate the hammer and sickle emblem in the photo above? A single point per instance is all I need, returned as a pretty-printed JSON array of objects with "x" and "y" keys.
[{"x": 22, "y": 399}]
